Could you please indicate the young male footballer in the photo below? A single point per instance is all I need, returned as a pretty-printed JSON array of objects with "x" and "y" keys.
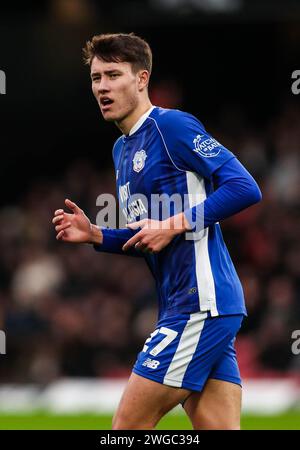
[{"x": 190, "y": 357}]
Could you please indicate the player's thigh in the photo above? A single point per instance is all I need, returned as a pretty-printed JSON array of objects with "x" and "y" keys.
[
  {"x": 144, "y": 402},
  {"x": 218, "y": 406}
]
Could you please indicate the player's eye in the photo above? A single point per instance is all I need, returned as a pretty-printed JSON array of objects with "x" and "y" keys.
[{"x": 114, "y": 75}]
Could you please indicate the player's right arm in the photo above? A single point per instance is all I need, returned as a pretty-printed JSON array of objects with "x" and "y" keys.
[{"x": 76, "y": 227}]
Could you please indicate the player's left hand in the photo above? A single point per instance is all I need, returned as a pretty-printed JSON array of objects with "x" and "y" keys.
[{"x": 155, "y": 234}]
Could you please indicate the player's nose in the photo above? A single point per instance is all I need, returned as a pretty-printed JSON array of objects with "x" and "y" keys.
[{"x": 103, "y": 87}]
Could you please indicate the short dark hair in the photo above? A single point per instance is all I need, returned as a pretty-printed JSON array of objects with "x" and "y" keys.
[{"x": 119, "y": 47}]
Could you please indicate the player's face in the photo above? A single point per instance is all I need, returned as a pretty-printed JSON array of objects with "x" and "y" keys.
[{"x": 115, "y": 87}]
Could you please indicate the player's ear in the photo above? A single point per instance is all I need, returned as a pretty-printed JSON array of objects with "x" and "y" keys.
[{"x": 143, "y": 79}]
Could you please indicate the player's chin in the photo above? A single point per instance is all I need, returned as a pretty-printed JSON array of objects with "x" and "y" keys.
[{"x": 110, "y": 116}]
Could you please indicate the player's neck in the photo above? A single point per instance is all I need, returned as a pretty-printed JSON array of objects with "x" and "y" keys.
[{"x": 126, "y": 125}]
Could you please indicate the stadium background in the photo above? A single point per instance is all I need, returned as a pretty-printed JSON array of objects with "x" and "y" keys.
[{"x": 71, "y": 315}]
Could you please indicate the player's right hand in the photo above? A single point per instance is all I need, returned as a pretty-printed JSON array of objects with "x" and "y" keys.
[{"x": 72, "y": 227}]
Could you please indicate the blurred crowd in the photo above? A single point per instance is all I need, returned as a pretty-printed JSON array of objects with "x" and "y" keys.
[{"x": 70, "y": 311}]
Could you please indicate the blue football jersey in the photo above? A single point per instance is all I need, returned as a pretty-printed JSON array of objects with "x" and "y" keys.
[{"x": 170, "y": 152}]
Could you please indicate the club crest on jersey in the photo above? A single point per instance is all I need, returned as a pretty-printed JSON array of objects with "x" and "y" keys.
[
  {"x": 139, "y": 160},
  {"x": 208, "y": 147}
]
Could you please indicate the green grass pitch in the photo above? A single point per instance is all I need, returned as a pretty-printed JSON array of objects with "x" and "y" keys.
[{"x": 47, "y": 421}]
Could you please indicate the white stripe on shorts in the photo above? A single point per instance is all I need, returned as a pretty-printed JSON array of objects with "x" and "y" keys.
[{"x": 185, "y": 350}]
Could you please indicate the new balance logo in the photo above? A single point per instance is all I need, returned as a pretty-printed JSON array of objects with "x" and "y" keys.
[{"x": 151, "y": 363}]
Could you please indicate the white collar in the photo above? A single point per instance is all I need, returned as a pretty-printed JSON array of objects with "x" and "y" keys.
[{"x": 141, "y": 120}]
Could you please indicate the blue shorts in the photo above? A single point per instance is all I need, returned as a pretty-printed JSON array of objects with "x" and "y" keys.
[{"x": 184, "y": 351}]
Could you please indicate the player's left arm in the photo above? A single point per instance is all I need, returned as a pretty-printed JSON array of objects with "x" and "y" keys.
[
  {"x": 236, "y": 191},
  {"x": 191, "y": 148}
]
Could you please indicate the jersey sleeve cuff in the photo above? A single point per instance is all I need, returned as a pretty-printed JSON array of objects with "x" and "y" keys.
[{"x": 107, "y": 241}]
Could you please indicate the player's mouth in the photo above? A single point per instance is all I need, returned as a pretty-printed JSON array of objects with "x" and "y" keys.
[{"x": 105, "y": 103}]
